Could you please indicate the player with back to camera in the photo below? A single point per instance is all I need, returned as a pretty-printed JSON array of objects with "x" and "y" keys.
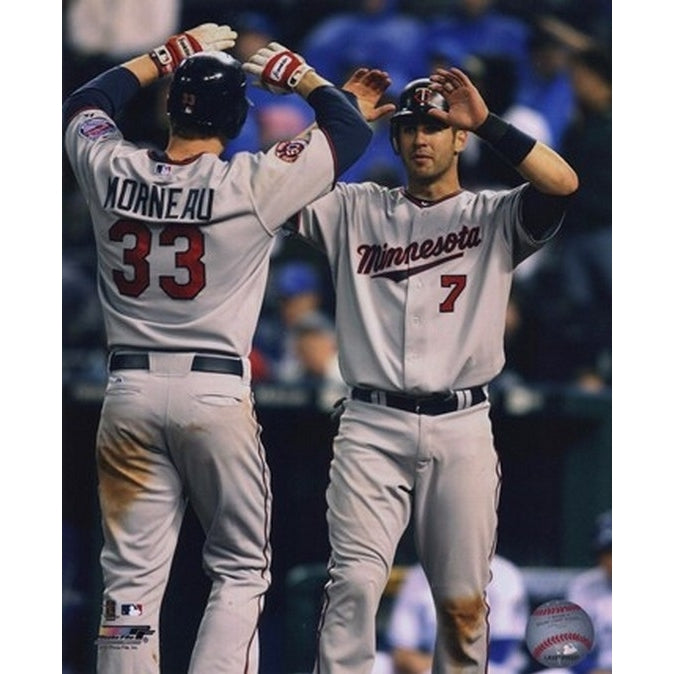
[
  {"x": 422, "y": 275},
  {"x": 183, "y": 241}
]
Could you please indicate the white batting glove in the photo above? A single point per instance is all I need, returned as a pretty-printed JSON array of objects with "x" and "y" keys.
[
  {"x": 276, "y": 68},
  {"x": 206, "y": 37}
]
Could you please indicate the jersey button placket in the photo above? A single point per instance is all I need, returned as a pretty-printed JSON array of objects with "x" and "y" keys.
[{"x": 414, "y": 339}]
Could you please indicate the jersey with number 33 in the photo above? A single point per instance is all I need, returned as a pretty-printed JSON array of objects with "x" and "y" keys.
[
  {"x": 422, "y": 288},
  {"x": 182, "y": 246}
]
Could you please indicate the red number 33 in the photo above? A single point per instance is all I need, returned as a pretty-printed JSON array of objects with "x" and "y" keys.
[{"x": 136, "y": 256}]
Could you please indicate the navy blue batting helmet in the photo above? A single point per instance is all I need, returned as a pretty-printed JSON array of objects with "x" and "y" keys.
[
  {"x": 208, "y": 94},
  {"x": 415, "y": 100}
]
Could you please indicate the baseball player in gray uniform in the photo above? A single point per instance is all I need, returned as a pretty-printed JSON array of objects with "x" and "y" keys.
[
  {"x": 183, "y": 240},
  {"x": 422, "y": 276}
]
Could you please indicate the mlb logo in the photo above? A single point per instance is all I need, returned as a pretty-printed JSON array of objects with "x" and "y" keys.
[
  {"x": 132, "y": 609},
  {"x": 163, "y": 169}
]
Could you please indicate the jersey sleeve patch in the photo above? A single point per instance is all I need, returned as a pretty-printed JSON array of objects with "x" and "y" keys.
[
  {"x": 290, "y": 150},
  {"x": 93, "y": 128}
]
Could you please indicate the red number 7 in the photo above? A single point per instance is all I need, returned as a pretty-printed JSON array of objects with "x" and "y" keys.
[{"x": 457, "y": 283}]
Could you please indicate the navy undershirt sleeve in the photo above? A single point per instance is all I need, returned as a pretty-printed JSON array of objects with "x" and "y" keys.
[
  {"x": 108, "y": 92},
  {"x": 338, "y": 116},
  {"x": 541, "y": 213}
]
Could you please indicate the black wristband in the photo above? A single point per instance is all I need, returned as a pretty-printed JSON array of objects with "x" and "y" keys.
[{"x": 511, "y": 143}]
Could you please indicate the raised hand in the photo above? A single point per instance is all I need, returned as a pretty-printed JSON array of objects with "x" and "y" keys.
[
  {"x": 467, "y": 109},
  {"x": 368, "y": 86},
  {"x": 277, "y": 68},
  {"x": 211, "y": 37},
  {"x": 206, "y": 37}
]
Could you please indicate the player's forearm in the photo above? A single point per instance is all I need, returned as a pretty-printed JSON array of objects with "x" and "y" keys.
[
  {"x": 339, "y": 117},
  {"x": 109, "y": 92},
  {"x": 309, "y": 82},
  {"x": 143, "y": 68},
  {"x": 536, "y": 162},
  {"x": 548, "y": 172}
]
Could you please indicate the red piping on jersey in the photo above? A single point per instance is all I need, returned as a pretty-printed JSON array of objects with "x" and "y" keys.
[
  {"x": 425, "y": 203},
  {"x": 267, "y": 528},
  {"x": 333, "y": 152},
  {"x": 497, "y": 498},
  {"x": 324, "y": 609}
]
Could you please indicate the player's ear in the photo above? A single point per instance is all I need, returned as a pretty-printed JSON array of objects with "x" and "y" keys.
[{"x": 460, "y": 140}]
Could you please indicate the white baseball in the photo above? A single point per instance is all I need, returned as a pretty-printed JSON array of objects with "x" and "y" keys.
[{"x": 559, "y": 633}]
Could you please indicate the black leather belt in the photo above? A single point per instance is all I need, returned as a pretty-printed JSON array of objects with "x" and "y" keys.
[
  {"x": 200, "y": 363},
  {"x": 434, "y": 404}
]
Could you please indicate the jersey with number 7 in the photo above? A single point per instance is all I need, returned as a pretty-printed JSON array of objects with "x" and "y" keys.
[{"x": 421, "y": 287}]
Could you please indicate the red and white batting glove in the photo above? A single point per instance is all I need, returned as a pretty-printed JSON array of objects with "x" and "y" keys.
[
  {"x": 276, "y": 68},
  {"x": 206, "y": 37}
]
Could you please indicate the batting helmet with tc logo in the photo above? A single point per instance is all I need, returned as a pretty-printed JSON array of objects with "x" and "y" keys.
[{"x": 416, "y": 99}]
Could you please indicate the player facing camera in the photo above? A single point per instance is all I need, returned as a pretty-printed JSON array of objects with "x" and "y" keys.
[
  {"x": 423, "y": 274},
  {"x": 207, "y": 97},
  {"x": 414, "y": 104},
  {"x": 428, "y": 145}
]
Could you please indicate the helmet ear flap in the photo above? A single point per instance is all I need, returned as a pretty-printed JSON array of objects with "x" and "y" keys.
[{"x": 393, "y": 137}]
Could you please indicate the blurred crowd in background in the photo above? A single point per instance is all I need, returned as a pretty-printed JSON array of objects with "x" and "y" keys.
[{"x": 545, "y": 65}]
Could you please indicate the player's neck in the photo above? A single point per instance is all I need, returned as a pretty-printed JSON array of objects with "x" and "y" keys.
[
  {"x": 180, "y": 149},
  {"x": 433, "y": 190}
]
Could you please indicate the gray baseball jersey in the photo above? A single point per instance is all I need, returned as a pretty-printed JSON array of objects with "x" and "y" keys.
[
  {"x": 194, "y": 232},
  {"x": 422, "y": 288}
]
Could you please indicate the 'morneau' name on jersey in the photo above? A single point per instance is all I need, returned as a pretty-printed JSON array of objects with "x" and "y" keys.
[
  {"x": 159, "y": 202},
  {"x": 381, "y": 258}
]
